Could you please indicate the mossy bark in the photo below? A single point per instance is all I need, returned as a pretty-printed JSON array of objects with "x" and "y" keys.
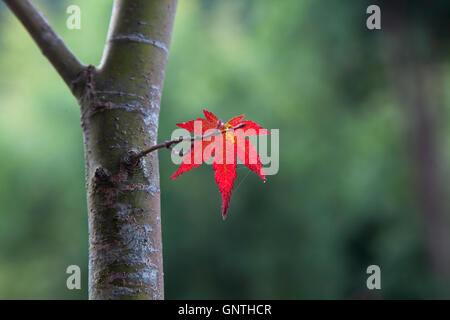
[{"x": 120, "y": 103}]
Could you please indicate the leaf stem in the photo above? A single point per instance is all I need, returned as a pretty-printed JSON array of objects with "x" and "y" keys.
[{"x": 169, "y": 144}]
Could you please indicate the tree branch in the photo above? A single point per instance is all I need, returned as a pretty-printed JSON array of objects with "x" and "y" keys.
[
  {"x": 169, "y": 144},
  {"x": 51, "y": 45}
]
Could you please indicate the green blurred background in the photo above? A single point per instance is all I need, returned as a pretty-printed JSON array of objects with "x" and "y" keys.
[{"x": 364, "y": 152}]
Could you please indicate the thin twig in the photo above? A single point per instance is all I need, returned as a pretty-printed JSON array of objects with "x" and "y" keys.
[
  {"x": 51, "y": 45},
  {"x": 169, "y": 144}
]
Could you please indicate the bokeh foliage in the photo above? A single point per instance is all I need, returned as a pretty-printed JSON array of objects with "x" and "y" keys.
[{"x": 342, "y": 200}]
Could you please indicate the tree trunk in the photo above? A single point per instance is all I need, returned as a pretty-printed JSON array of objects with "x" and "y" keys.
[
  {"x": 120, "y": 103},
  {"x": 417, "y": 81},
  {"x": 120, "y": 111}
]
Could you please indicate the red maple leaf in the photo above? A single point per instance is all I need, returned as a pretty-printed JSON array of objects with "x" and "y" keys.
[{"x": 225, "y": 141}]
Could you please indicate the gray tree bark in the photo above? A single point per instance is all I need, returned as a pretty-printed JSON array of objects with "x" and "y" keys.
[{"x": 120, "y": 103}]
